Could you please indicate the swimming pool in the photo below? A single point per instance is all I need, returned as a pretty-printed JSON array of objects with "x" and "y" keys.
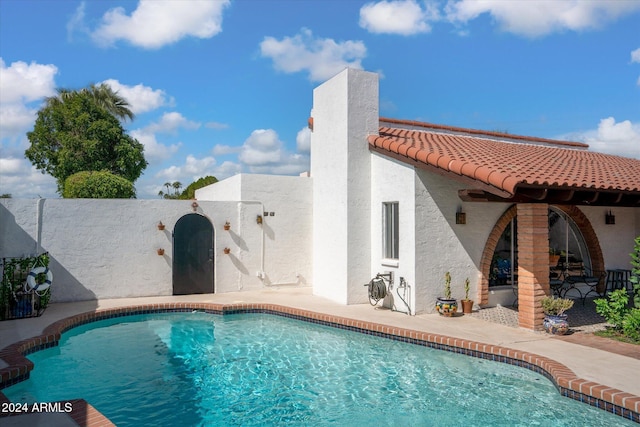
[{"x": 261, "y": 369}]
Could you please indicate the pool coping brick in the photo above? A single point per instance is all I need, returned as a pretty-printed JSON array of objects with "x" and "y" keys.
[{"x": 568, "y": 384}]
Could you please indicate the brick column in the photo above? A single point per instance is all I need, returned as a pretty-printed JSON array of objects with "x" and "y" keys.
[{"x": 533, "y": 263}]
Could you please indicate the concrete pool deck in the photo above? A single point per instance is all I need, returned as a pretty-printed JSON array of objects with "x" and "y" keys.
[{"x": 597, "y": 369}]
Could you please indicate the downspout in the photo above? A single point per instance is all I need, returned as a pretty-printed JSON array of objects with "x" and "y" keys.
[
  {"x": 39, "y": 211},
  {"x": 262, "y": 274}
]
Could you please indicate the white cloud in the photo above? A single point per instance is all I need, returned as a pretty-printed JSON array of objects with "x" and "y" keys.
[
  {"x": 20, "y": 85},
  {"x": 404, "y": 17},
  {"x": 171, "y": 122},
  {"x": 153, "y": 150},
  {"x": 542, "y": 17},
  {"x": 303, "y": 140},
  {"x": 20, "y": 179},
  {"x": 141, "y": 98},
  {"x": 76, "y": 23},
  {"x": 22, "y": 82},
  {"x": 261, "y": 148},
  {"x": 216, "y": 125},
  {"x": 192, "y": 169},
  {"x": 321, "y": 58},
  {"x": 635, "y": 57},
  {"x": 264, "y": 152},
  {"x": 622, "y": 138},
  {"x": 221, "y": 149},
  {"x": 155, "y": 24}
]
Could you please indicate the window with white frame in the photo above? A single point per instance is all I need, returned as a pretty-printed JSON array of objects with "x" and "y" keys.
[{"x": 390, "y": 226}]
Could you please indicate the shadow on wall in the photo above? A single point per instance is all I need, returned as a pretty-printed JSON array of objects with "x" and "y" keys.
[{"x": 16, "y": 242}]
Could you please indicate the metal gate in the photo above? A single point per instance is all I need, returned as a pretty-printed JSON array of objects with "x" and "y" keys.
[{"x": 193, "y": 256}]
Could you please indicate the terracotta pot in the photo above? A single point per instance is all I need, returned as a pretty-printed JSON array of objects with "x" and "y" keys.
[
  {"x": 467, "y": 306},
  {"x": 227, "y": 251},
  {"x": 160, "y": 252},
  {"x": 446, "y": 306}
]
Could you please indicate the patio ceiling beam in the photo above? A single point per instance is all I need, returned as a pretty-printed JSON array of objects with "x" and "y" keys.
[{"x": 556, "y": 197}]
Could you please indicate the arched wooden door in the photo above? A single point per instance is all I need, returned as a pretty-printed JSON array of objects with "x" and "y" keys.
[{"x": 193, "y": 256}]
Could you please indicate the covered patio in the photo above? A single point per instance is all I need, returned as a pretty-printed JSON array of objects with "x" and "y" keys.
[{"x": 537, "y": 180}]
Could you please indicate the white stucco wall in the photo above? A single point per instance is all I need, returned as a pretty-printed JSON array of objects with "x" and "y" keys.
[
  {"x": 393, "y": 181},
  {"x": 108, "y": 248},
  {"x": 287, "y": 226},
  {"x": 345, "y": 112},
  {"x": 442, "y": 245},
  {"x": 616, "y": 240}
]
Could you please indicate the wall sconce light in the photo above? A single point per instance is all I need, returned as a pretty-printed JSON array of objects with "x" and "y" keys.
[
  {"x": 194, "y": 206},
  {"x": 609, "y": 218},
  {"x": 461, "y": 217},
  {"x": 259, "y": 219},
  {"x": 227, "y": 226},
  {"x": 160, "y": 226},
  {"x": 160, "y": 251}
]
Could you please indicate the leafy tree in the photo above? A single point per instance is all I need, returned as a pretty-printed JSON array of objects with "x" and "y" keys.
[
  {"x": 73, "y": 133},
  {"x": 98, "y": 185},
  {"x": 5, "y": 196},
  {"x": 190, "y": 192},
  {"x": 173, "y": 188}
]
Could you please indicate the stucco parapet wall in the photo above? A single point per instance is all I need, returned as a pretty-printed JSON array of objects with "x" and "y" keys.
[{"x": 568, "y": 384}]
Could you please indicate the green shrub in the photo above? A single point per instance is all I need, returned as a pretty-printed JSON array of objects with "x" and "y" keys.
[
  {"x": 556, "y": 306},
  {"x": 615, "y": 308},
  {"x": 631, "y": 324},
  {"x": 635, "y": 272},
  {"x": 98, "y": 185}
]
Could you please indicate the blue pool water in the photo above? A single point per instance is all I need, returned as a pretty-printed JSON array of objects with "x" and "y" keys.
[{"x": 193, "y": 369}]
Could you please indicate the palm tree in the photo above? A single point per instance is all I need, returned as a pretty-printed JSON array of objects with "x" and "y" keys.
[
  {"x": 177, "y": 185},
  {"x": 102, "y": 95},
  {"x": 105, "y": 97}
]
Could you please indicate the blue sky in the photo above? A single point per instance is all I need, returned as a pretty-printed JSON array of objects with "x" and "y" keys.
[{"x": 223, "y": 87}]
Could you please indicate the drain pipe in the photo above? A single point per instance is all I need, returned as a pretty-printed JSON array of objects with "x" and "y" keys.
[
  {"x": 403, "y": 285},
  {"x": 39, "y": 211},
  {"x": 262, "y": 275}
]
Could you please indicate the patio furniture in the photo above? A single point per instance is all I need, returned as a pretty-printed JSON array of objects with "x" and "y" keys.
[
  {"x": 555, "y": 281},
  {"x": 618, "y": 279},
  {"x": 596, "y": 282}
]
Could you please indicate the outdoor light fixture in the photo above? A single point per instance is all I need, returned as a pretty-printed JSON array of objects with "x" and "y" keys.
[
  {"x": 194, "y": 206},
  {"x": 160, "y": 226},
  {"x": 609, "y": 218},
  {"x": 461, "y": 217},
  {"x": 259, "y": 219}
]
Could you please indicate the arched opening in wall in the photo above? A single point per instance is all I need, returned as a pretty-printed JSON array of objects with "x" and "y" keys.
[
  {"x": 193, "y": 263},
  {"x": 573, "y": 250}
]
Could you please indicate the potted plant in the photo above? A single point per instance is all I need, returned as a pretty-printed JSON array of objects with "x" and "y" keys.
[
  {"x": 555, "y": 320},
  {"x": 554, "y": 257},
  {"x": 467, "y": 304},
  {"x": 446, "y": 305},
  {"x": 227, "y": 226}
]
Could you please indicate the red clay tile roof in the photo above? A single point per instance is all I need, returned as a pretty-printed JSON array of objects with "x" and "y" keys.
[{"x": 512, "y": 167}]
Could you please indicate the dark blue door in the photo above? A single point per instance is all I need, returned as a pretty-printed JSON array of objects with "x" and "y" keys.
[{"x": 193, "y": 255}]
